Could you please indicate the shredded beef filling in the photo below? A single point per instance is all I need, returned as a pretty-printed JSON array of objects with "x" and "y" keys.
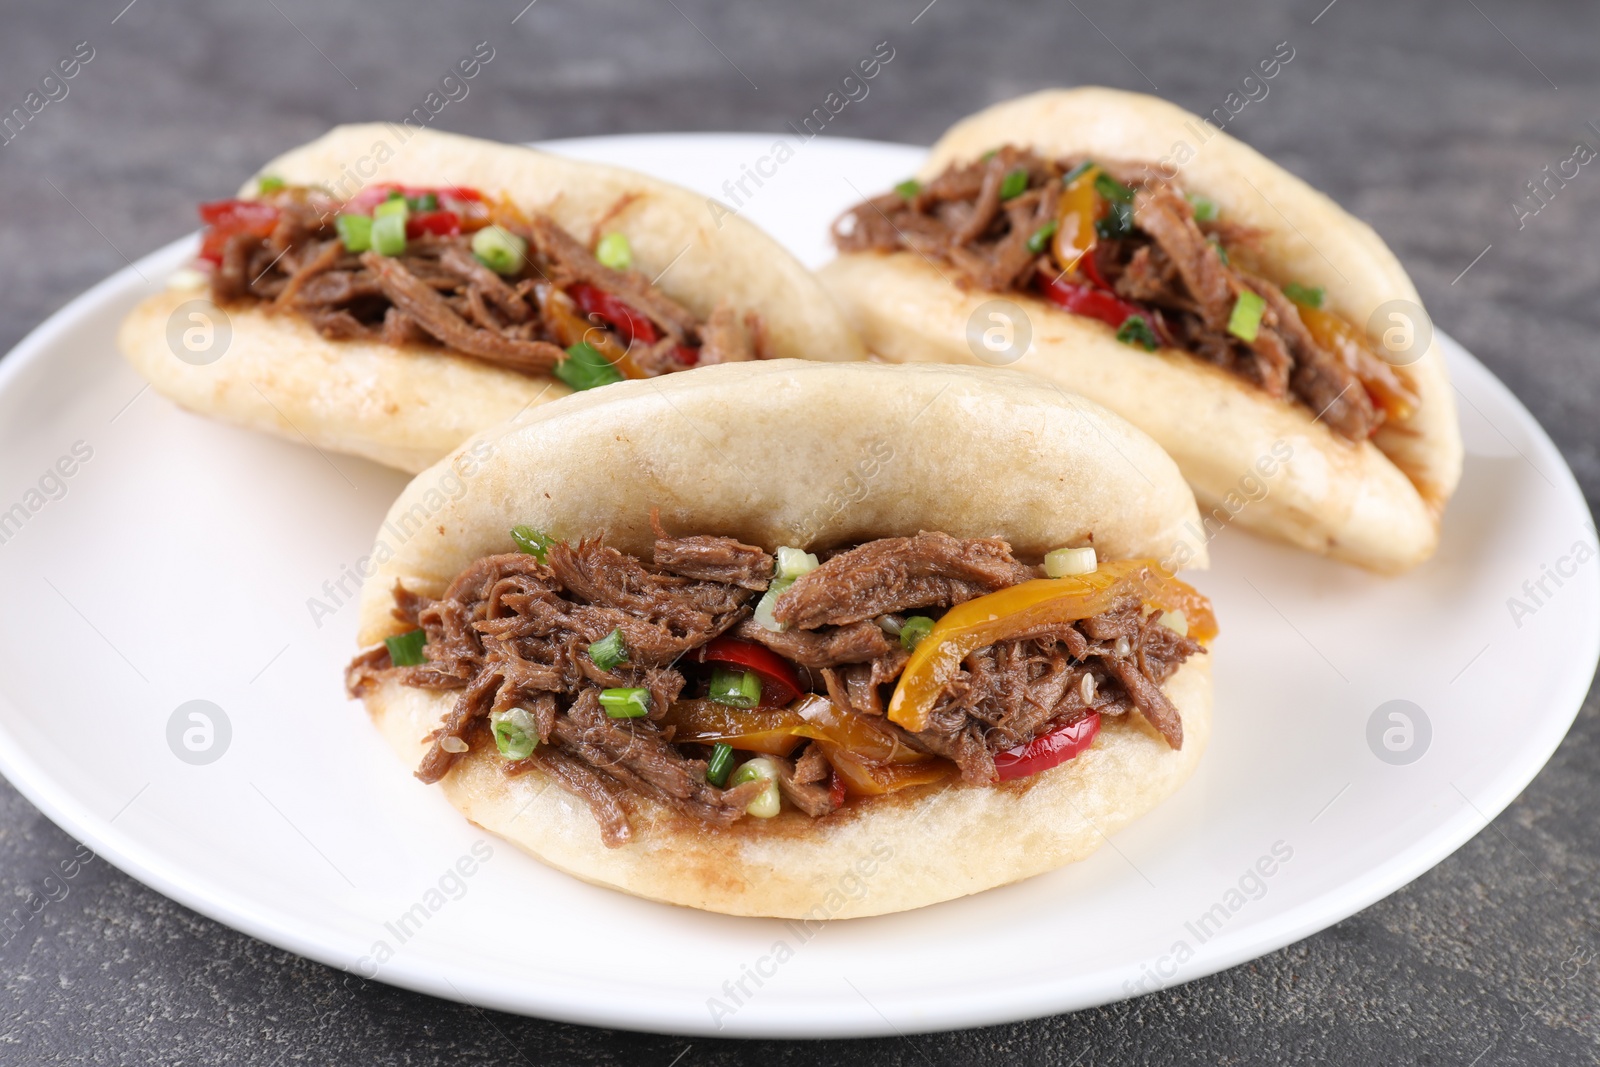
[
  {"x": 896, "y": 574},
  {"x": 513, "y": 632},
  {"x": 1186, "y": 274},
  {"x": 438, "y": 293}
]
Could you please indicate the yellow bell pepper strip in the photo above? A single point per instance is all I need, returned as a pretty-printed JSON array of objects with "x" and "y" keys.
[
  {"x": 1042, "y": 602},
  {"x": 865, "y": 778},
  {"x": 503, "y": 212},
  {"x": 779, "y": 731},
  {"x": 774, "y": 731},
  {"x": 473, "y": 210},
  {"x": 860, "y": 735},
  {"x": 1391, "y": 393},
  {"x": 1080, "y": 206}
]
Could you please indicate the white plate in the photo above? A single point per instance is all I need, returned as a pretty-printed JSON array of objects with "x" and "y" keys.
[{"x": 177, "y": 563}]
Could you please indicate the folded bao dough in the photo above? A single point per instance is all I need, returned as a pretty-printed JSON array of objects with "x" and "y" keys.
[
  {"x": 407, "y": 407},
  {"x": 1376, "y": 504},
  {"x": 813, "y": 455}
]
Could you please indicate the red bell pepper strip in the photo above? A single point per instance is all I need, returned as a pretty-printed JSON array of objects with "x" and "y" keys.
[
  {"x": 438, "y": 223},
  {"x": 1047, "y": 750},
  {"x": 780, "y": 685},
  {"x": 1088, "y": 301},
  {"x": 1100, "y": 303},
  {"x": 227, "y": 218},
  {"x": 628, "y": 323},
  {"x": 373, "y": 195},
  {"x": 238, "y": 213},
  {"x": 370, "y": 197}
]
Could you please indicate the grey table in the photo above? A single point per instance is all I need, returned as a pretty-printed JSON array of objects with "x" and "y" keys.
[{"x": 1425, "y": 118}]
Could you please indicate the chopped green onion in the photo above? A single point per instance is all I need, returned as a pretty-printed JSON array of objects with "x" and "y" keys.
[
  {"x": 532, "y": 541},
  {"x": 1077, "y": 172},
  {"x": 908, "y": 188},
  {"x": 1118, "y": 222},
  {"x": 609, "y": 651},
  {"x": 761, "y": 769},
  {"x": 1136, "y": 331},
  {"x": 737, "y": 689},
  {"x": 585, "y": 368},
  {"x": 269, "y": 183},
  {"x": 389, "y": 234},
  {"x": 1111, "y": 189},
  {"x": 1222, "y": 253},
  {"x": 405, "y": 650},
  {"x": 499, "y": 249},
  {"x": 1176, "y": 621},
  {"x": 720, "y": 764},
  {"x": 913, "y": 630},
  {"x": 614, "y": 251},
  {"x": 1309, "y": 295},
  {"x": 763, "y": 612},
  {"x": 425, "y": 202},
  {"x": 1014, "y": 184},
  {"x": 1205, "y": 209},
  {"x": 1041, "y": 237},
  {"x": 989, "y": 155},
  {"x": 355, "y": 231},
  {"x": 516, "y": 735},
  {"x": 792, "y": 563},
  {"x": 1065, "y": 562},
  {"x": 1245, "y": 321},
  {"x": 395, "y": 194},
  {"x": 395, "y": 205},
  {"x": 625, "y": 703}
]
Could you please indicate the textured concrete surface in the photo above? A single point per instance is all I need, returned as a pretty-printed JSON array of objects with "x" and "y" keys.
[{"x": 1425, "y": 118}]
